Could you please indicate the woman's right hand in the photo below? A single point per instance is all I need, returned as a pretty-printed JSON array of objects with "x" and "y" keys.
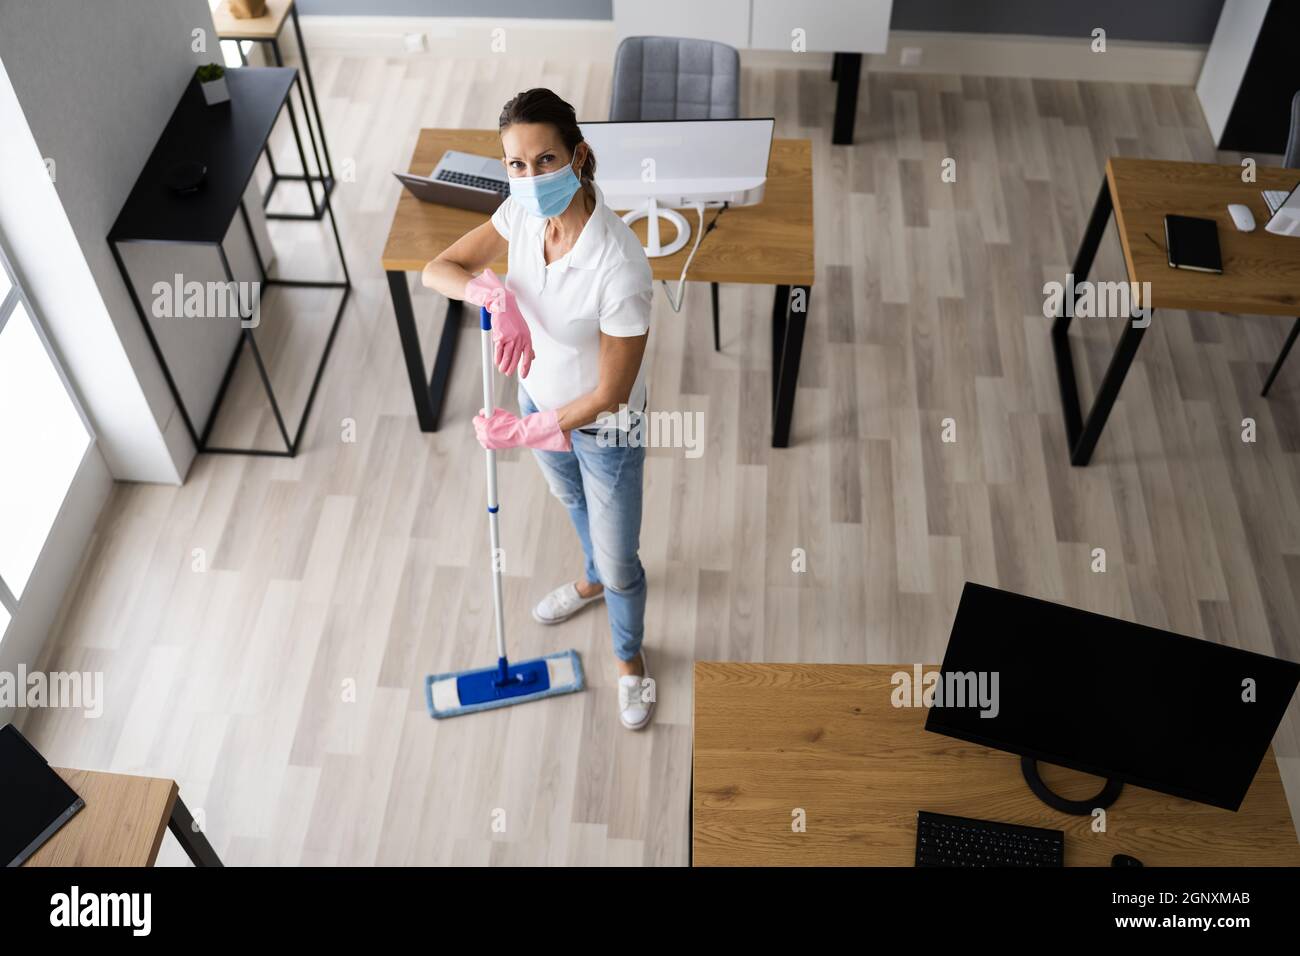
[{"x": 539, "y": 430}]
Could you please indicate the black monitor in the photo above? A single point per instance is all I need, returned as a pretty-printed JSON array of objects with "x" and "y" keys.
[{"x": 1133, "y": 704}]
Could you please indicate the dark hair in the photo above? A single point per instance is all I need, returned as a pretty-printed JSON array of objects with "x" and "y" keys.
[{"x": 540, "y": 105}]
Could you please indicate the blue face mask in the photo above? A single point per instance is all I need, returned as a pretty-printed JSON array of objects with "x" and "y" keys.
[{"x": 546, "y": 195}]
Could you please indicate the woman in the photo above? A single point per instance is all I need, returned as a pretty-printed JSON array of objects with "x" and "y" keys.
[{"x": 574, "y": 323}]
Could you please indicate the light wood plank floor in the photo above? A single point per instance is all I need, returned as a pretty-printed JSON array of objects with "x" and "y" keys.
[{"x": 281, "y": 684}]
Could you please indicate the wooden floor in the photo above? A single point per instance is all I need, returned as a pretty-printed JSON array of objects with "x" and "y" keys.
[{"x": 265, "y": 630}]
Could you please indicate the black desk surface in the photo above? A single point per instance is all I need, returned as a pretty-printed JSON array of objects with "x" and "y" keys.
[{"x": 227, "y": 138}]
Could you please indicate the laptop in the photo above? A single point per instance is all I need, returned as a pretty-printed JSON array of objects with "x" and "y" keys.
[
  {"x": 463, "y": 180},
  {"x": 34, "y": 800}
]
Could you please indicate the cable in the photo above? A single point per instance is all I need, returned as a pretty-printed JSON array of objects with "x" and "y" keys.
[
  {"x": 675, "y": 300},
  {"x": 717, "y": 215}
]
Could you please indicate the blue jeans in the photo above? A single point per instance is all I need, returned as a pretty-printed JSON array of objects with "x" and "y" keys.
[{"x": 601, "y": 488}]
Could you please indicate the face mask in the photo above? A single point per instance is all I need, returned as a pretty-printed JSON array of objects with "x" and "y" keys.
[{"x": 546, "y": 195}]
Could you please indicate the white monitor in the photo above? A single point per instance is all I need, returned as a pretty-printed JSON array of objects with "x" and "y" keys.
[
  {"x": 655, "y": 165},
  {"x": 681, "y": 162}
]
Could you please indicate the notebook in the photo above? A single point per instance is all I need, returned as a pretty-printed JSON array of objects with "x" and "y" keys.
[
  {"x": 1193, "y": 243},
  {"x": 34, "y": 800}
]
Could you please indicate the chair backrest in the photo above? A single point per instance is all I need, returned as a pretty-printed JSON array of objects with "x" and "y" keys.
[
  {"x": 1292, "y": 158},
  {"x": 657, "y": 78}
]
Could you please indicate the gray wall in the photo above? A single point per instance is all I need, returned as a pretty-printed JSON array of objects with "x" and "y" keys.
[
  {"x": 1178, "y": 21},
  {"x": 97, "y": 83},
  {"x": 95, "y": 103}
]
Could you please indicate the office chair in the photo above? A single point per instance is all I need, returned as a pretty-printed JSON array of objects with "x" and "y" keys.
[
  {"x": 663, "y": 78},
  {"x": 1291, "y": 161}
]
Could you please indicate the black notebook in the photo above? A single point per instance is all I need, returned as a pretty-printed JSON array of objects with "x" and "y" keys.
[
  {"x": 1193, "y": 243},
  {"x": 34, "y": 800}
]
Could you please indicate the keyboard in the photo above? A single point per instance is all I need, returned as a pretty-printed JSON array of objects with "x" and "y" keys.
[
  {"x": 1274, "y": 198},
  {"x": 475, "y": 182},
  {"x": 942, "y": 840}
]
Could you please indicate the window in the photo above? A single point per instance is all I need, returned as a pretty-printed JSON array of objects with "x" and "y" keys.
[{"x": 43, "y": 439}]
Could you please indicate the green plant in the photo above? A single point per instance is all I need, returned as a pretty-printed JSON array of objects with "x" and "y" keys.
[{"x": 210, "y": 72}]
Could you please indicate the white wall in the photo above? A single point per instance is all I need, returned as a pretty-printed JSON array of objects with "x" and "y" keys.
[
  {"x": 54, "y": 571},
  {"x": 51, "y": 270},
  {"x": 90, "y": 84},
  {"x": 97, "y": 82},
  {"x": 64, "y": 291}
]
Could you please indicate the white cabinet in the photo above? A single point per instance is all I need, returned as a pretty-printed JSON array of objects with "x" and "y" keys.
[
  {"x": 1225, "y": 63},
  {"x": 829, "y": 26}
]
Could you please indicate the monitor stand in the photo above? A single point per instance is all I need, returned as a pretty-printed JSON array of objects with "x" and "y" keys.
[
  {"x": 1081, "y": 808},
  {"x": 653, "y": 212}
]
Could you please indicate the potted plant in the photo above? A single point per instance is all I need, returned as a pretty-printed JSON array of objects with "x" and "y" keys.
[{"x": 212, "y": 80}]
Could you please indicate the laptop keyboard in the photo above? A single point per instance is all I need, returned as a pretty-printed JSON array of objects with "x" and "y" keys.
[
  {"x": 1274, "y": 198},
  {"x": 474, "y": 182}
]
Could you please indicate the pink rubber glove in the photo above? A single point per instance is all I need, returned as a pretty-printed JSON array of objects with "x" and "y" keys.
[
  {"x": 539, "y": 430},
  {"x": 510, "y": 335}
]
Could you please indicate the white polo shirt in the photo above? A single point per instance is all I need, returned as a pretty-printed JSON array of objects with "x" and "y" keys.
[{"x": 603, "y": 284}]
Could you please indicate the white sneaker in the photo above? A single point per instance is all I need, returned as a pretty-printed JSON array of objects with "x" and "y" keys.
[
  {"x": 633, "y": 712},
  {"x": 562, "y": 603}
]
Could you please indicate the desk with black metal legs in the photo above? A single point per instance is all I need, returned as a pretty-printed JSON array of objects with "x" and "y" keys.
[
  {"x": 768, "y": 244},
  {"x": 832, "y": 739},
  {"x": 1261, "y": 271},
  {"x": 122, "y": 823}
]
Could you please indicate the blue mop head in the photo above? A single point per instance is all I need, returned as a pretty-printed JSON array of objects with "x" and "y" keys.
[{"x": 465, "y": 692}]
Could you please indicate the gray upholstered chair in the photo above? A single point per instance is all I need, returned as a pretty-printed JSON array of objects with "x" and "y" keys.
[
  {"x": 659, "y": 78},
  {"x": 1291, "y": 160}
]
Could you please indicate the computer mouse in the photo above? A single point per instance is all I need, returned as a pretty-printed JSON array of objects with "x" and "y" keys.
[
  {"x": 1122, "y": 859},
  {"x": 1242, "y": 217}
]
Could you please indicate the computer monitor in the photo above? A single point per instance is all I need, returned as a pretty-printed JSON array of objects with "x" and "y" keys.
[
  {"x": 652, "y": 166},
  {"x": 1135, "y": 704}
]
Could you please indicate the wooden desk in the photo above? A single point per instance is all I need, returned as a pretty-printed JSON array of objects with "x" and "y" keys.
[
  {"x": 122, "y": 823},
  {"x": 266, "y": 29},
  {"x": 769, "y": 244},
  {"x": 770, "y": 738},
  {"x": 1261, "y": 271}
]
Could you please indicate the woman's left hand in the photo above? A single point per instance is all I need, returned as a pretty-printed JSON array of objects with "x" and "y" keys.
[
  {"x": 514, "y": 343},
  {"x": 510, "y": 336},
  {"x": 539, "y": 430}
]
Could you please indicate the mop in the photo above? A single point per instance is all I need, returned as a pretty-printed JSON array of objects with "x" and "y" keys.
[{"x": 464, "y": 692}]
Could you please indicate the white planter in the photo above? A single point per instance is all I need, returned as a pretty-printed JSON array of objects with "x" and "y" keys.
[{"x": 215, "y": 92}]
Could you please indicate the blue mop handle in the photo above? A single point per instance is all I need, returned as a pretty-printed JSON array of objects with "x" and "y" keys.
[{"x": 494, "y": 532}]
